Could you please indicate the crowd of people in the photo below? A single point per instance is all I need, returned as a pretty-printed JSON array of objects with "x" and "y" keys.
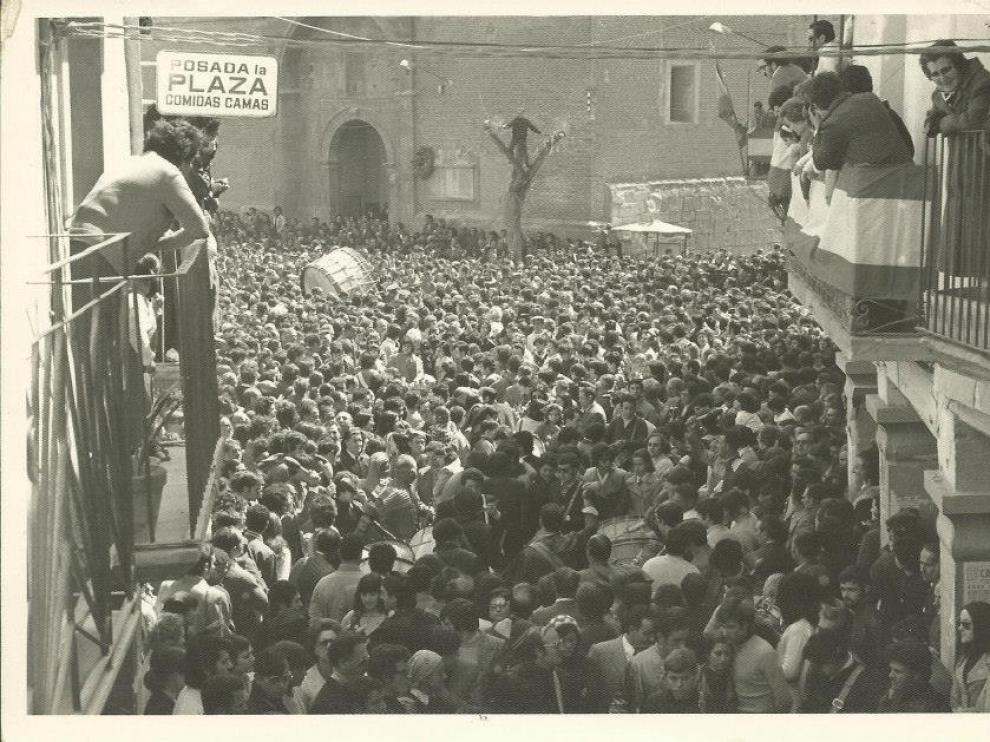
[
  {"x": 424, "y": 485},
  {"x": 571, "y": 482}
]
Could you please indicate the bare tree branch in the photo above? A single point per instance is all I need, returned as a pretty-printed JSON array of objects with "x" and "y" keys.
[
  {"x": 542, "y": 151},
  {"x": 501, "y": 145}
]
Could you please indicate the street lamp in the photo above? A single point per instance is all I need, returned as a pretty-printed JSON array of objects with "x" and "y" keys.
[
  {"x": 408, "y": 66},
  {"x": 721, "y": 28}
]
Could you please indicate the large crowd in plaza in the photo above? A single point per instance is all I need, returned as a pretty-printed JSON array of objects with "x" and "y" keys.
[
  {"x": 573, "y": 482},
  {"x": 425, "y": 482}
]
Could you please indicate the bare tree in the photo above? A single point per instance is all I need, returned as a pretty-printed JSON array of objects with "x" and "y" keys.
[{"x": 523, "y": 173}]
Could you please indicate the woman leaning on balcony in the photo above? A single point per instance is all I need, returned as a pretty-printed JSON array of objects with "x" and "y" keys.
[
  {"x": 961, "y": 100},
  {"x": 960, "y": 103}
]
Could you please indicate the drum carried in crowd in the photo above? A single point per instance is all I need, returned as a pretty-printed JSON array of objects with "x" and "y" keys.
[
  {"x": 628, "y": 535},
  {"x": 422, "y": 542},
  {"x": 342, "y": 271}
]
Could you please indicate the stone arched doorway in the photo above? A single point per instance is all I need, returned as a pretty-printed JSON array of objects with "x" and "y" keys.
[{"x": 359, "y": 181}]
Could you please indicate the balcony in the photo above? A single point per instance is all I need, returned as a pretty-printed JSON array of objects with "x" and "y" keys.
[
  {"x": 956, "y": 244},
  {"x": 97, "y": 498},
  {"x": 896, "y": 264}
]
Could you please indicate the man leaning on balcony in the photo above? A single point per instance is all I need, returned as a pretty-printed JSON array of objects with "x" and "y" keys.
[
  {"x": 143, "y": 196},
  {"x": 961, "y": 100},
  {"x": 851, "y": 128}
]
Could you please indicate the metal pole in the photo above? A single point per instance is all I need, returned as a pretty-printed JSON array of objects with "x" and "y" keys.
[{"x": 841, "y": 39}]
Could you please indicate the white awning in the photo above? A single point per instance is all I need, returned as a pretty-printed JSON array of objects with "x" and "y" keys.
[{"x": 654, "y": 227}]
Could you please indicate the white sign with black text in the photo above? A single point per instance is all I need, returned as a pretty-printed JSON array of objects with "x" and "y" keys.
[{"x": 206, "y": 84}]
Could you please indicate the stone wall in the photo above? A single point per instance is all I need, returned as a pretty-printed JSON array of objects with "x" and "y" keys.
[{"x": 728, "y": 213}]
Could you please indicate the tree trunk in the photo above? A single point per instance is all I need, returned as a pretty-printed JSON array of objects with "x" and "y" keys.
[
  {"x": 523, "y": 174},
  {"x": 514, "y": 237}
]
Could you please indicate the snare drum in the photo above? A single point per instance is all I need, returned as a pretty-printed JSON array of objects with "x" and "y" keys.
[
  {"x": 404, "y": 556},
  {"x": 341, "y": 271},
  {"x": 422, "y": 542}
]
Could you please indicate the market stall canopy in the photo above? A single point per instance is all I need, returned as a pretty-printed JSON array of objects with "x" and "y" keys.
[{"x": 654, "y": 227}]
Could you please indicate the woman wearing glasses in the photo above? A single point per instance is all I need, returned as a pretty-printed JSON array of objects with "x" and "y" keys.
[
  {"x": 961, "y": 100},
  {"x": 970, "y": 686}
]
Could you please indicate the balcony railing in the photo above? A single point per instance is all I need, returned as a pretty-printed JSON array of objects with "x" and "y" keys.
[
  {"x": 89, "y": 417},
  {"x": 956, "y": 240},
  {"x": 198, "y": 372},
  {"x": 86, "y": 405}
]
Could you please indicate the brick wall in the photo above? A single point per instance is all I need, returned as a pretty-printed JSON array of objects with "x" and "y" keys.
[
  {"x": 729, "y": 213},
  {"x": 625, "y": 138}
]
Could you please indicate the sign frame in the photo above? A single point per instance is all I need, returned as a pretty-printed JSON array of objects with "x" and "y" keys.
[{"x": 222, "y": 77}]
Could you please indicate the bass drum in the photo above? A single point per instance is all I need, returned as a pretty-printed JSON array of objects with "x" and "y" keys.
[
  {"x": 404, "y": 558},
  {"x": 422, "y": 542},
  {"x": 628, "y": 536},
  {"x": 340, "y": 272}
]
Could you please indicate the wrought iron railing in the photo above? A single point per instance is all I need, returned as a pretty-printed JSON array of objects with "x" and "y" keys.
[
  {"x": 956, "y": 240},
  {"x": 88, "y": 463},
  {"x": 86, "y": 405}
]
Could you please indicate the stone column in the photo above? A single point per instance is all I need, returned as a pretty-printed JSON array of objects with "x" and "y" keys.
[
  {"x": 907, "y": 450},
  {"x": 961, "y": 490},
  {"x": 861, "y": 429}
]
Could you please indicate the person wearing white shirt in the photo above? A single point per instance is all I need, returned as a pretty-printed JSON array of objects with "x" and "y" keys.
[
  {"x": 821, "y": 37},
  {"x": 798, "y": 604},
  {"x": 671, "y": 568}
]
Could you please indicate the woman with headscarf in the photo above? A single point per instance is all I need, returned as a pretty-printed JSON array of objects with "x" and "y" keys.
[{"x": 428, "y": 684}]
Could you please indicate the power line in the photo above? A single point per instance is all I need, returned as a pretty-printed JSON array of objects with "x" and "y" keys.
[
  {"x": 496, "y": 50},
  {"x": 341, "y": 34}
]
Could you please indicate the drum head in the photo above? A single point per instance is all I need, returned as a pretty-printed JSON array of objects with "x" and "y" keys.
[
  {"x": 422, "y": 542},
  {"x": 314, "y": 278},
  {"x": 343, "y": 270},
  {"x": 625, "y": 550},
  {"x": 623, "y": 527}
]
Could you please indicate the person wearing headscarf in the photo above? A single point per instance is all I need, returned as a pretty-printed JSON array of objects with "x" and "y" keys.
[{"x": 428, "y": 684}]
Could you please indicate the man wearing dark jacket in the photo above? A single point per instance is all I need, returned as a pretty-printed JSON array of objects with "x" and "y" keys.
[
  {"x": 449, "y": 538},
  {"x": 549, "y": 549},
  {"x": 628, "y": 425},
  {"x": 410, "y": 627},
  {"x": 520, "y": 126},
  {"x": 852, "y": 129},
  {"x": 345, "y": 690},
  {"x": 837, "y": 682},
  {"x": 858, "y": 79}
]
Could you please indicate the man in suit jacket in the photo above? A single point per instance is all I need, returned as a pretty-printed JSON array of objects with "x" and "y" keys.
[
  {"x": 548, "y": 550},
  {"x": 609, "y": 660},
  {"x": 628, "y": 425},
  {"x": 612, "y": 497},
  {"x": 590, "y": 411}
]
